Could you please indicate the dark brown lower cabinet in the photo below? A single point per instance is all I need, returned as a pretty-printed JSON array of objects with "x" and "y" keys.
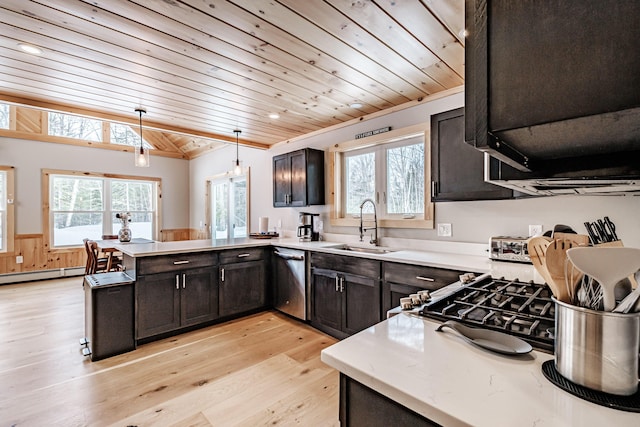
[
  {"x": 173, "y": 300},
  {"x": 402, "y": 280},
  {"x": 363, "y": 406},
  {"x": 344, "y": 301},
  {"x": 243, "y": 287}
]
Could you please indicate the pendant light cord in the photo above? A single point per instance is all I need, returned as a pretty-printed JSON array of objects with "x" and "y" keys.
[
  {"x": 140, "y": 111},
  {"x": 237, "y": 132}
]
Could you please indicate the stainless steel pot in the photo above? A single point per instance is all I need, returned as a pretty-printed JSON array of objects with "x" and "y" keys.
[{"x": 597, "y": 349}]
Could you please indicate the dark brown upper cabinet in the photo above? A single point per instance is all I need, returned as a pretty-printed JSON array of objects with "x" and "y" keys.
[
  {"x": 298, "y": 178},
  {"x": 553, "y": 87},
  {"x": 457, "y": 169}
]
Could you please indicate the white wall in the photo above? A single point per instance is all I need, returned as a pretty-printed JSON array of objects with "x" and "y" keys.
[
  {"x": 471, "y": 221},
  {"x": 30, "y": 157}
]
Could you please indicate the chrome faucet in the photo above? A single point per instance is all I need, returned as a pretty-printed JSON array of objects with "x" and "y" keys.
[{"x": 374, "y": 236}]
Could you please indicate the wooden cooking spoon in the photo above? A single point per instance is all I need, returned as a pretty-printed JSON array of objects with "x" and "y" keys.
[
  {"x": 537, "y": 248},
  {"x": 556, "y": 259}
]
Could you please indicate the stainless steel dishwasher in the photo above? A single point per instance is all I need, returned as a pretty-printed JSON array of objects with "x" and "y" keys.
[{"x": 291, "y": 282}]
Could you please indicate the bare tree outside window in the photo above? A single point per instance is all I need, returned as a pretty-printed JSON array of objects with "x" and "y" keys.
[
  {"x": 79, "y": 207},
  {"x": 4, "y": 116},
  {"x": 70, "y": 126},
  {"x": 124, "y": 135},
  {"x": 405, "y": 179},
  {"x": 360, "y": 178}
]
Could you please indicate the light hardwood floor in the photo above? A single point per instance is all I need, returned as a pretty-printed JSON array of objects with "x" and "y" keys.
[{"x": 263, "y": 369}]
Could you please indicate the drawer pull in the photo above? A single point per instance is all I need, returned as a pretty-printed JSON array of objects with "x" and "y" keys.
[
  {"x": 180, "y": 262},
  {"x": 243, "y": 255},
  {"x": 426, "y": 279}
]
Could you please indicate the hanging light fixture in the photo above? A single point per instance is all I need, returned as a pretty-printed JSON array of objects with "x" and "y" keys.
[
  {"x": 237, "y": 168},
  {"x": 141, "y": 154}
]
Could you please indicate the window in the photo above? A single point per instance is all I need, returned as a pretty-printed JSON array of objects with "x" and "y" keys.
[
  {"x": 6, "y": 209},
  {"x": 124, "y": 135},
  {"x": 391, "y": 174},
  {"x": 229, "y": 206},
  {"x": 4, "y": 116},
  {"x": 86, "y": 207},
  {"x": 388, "y": 168},
  {"x": 70, "y": 126}
]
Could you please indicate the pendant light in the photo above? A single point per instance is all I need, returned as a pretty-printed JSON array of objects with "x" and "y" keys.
[
  {"x": 237, "y": 168},
  {"x": 141, "y": 154}
]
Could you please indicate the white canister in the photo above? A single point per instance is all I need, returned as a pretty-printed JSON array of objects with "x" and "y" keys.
[{"x": 264, "y": 224}]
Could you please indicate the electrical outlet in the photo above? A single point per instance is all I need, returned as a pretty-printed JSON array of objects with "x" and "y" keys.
[
  {"x": 535, "y": 230},
  {"x": 444, "y": 230},
  {"x": 19, "y": 259}
]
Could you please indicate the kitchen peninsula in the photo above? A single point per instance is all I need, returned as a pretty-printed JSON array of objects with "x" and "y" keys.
[{"x": 434, "y": 374}]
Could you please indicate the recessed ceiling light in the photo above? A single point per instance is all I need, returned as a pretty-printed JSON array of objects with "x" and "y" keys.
[
  {"x": 274, "y": 116},
  {"x": 463, "y": 33},
  {"x": 355, "y": 105},
  {"x": 34, "y": 50}
]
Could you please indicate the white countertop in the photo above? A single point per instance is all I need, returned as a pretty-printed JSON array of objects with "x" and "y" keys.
[
  {"x": 454, "y": 383},
  {"x": 458, "y": 260}
]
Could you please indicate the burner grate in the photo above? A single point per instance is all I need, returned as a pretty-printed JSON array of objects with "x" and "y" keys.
[{"x": 518, "y": 308}]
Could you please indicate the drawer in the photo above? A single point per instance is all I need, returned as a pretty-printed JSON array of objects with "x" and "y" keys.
[
  {"x": 241, "y": 255},
  {"x": 429, "y": 278},
  {"x": 166, "y": 263},
  {"x": 347, "y": 264}
]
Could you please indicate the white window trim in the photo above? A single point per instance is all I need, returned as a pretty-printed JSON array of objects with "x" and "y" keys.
[
  {"x": 46, "y": 191},
  {"x": 335, "y": 163},
  {"x": 246, "y": 172}
]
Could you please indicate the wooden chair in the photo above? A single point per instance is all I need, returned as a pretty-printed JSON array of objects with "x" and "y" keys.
[
  {"x": 94, "y": 264},
  {"x": 116, "y": 257}
]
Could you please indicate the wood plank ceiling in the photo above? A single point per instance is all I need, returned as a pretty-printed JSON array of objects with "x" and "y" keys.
[{"x": 203, "y": 68}]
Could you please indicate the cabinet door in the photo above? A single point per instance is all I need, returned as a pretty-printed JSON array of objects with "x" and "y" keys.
[
  {"x": 242, "y": 287},
  {"x": 392, "y": 292},
  {"x": 457, "y": 169},
  {"x": 361, "y": 302},
  {"x": 281, "y": 180},
  {"x": 158, "y": 300},
  {"x": 298, "y": 165},
  {"x": 199, "y": 295},
  {"x": 326, "y": 301}
]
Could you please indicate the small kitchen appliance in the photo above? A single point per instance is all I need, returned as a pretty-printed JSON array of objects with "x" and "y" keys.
[
  {"x": 307, "y": 231},
  {"x": 514, "y": 249}
]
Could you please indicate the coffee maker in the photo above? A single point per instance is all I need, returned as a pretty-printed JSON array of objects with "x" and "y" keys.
[{"x": 306, "y": 228}]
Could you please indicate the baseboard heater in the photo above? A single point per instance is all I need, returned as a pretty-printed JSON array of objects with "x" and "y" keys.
[{"x": 28, "y": 276}]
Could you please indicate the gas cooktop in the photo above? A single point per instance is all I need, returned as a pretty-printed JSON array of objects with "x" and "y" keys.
[{"x": 525, "y": 310}]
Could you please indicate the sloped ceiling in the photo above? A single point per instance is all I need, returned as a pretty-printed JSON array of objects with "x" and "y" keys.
[{"x": 202, "y": 68}]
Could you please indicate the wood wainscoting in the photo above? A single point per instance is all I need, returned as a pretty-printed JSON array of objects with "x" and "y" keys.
[{"x": 37, "y": 257}]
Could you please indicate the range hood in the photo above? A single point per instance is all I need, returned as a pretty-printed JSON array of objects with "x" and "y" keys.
[
  {"x": 564, "y": 183},
  {"x": 555, "y": 105}
]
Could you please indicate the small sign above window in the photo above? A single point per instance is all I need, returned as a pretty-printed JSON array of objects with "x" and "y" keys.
[{"x": 373, "y": 132}]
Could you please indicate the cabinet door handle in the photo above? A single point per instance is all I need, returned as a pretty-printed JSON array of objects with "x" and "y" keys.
[
  {"x": 342, "y": 284},
  {"x": 243, "y": 255},
  {"x": 426, "y": 279},
  {"x": 177, "y": 281},
  {"x": 222, "y": 274},
  {"x": 434, "y": 187},
  {"x": 180, "y": 262},
  {"x": 337, "y": 283},
  {"x": 183, "y": 280}
]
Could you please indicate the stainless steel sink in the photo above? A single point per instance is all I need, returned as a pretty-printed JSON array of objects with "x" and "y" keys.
[{"x": 367, "y": 250}]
